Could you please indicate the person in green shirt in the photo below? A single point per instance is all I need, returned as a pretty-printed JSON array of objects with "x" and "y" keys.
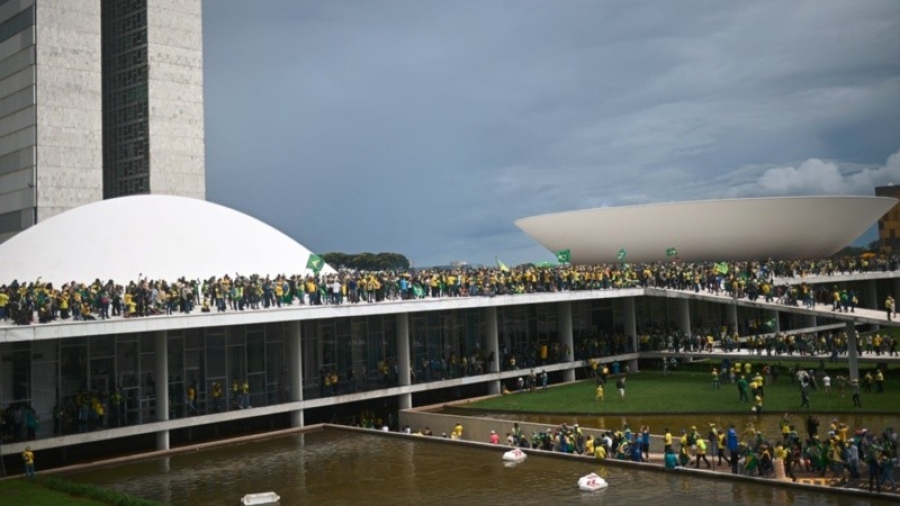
[{"x": 742, "y": 390}]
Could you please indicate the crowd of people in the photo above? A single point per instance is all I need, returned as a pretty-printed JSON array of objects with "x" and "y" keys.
[
  {"x": 840, "y": 455},
  {"x": 867, "y": 458},
  {"x": 26, "y": 302}
]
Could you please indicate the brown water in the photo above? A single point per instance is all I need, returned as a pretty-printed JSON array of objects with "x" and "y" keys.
[{"x": 338, "y": 467}]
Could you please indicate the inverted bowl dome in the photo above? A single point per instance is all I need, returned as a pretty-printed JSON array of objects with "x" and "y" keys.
[{"x": 710, "y": 230}]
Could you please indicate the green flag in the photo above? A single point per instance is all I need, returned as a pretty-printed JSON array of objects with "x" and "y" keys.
[
  {"x": 621, "y": 254},
  {"x": 564, "y": 256},
  {"x": 500, "y": 265},
  {"x": 670, "y": 252},
  {"x": 722, "y": 268},
  {"x": 315, "y": 263},
  {"x": 770, "y": 324}
]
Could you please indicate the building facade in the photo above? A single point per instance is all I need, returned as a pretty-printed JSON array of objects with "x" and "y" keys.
[
  {"x": 90, "y": 92},
  {"x": 50, "y": 109},
  {"x": 889, "y": 224},
  {"x": 201, "y": 375}
]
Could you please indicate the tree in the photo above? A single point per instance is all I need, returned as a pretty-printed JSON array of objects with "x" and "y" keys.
[{"x": 367, "y": 261}]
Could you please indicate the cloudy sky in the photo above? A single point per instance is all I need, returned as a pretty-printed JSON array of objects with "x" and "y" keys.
[{"x": 426, "y": 128}]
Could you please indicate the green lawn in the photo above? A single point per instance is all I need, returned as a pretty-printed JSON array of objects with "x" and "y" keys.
[
  {"x": 22, "y": 491},
  {"x": 51, "y": 491},
  {"x": 684, "y": 392}
]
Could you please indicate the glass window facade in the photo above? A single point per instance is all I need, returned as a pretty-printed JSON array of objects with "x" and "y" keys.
[
  {"x": 126, "y": 164},
  {"x": 447, "y": 344},
  {"x": 71, "y": 385},
  {"x": 16, "y": 24}
]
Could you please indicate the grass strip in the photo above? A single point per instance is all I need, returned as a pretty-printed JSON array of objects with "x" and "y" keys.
[
  {"x": 685, "y": 392},
  {"x": 52, "y": 491},
  {"x": 34, "y": 493}
]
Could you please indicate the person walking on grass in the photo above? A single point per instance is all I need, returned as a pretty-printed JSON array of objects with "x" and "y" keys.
[
  {"x": 804, "y": 397},
  {"x": 620, "y": 384},
  {"x": 742, "y": 389}
]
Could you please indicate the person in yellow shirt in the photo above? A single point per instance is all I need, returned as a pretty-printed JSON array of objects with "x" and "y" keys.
[
  {"x": 758, "y": 379},
  {"x": 28, "y": 458},
  {"x": 722, "y": 447},
  {"x": 216, "y": 395},
  {"x": 668, "y": 440},
  {"x": 4, "y": 302},
  {"x": 457, "y": 432},
  {"x": 191, "y": 399},
  {"x": 99, "y": 411},
  {"x": 879, "y": 381},
  {"x": 701, "y": 453},
  {"x": 599, "y": 394}
]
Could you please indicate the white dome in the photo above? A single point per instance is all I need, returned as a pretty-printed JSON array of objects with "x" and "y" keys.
[
  {"x": 149, "y": 236},
  {"x": 710, "y": 230}
]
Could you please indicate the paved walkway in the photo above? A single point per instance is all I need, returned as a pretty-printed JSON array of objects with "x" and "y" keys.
[{"x": 804, "y": 477}]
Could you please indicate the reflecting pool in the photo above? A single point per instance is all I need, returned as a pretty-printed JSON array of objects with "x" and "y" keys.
[{"x": 334, "y": 466}]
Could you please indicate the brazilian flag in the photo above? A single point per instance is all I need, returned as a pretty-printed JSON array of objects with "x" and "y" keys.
[
  {"x": 621, "y": 254},
  {"x": 564, "y": 256},
  {"x": 751, "y": 463},
  {"x": 315, "y": 263},
  {"x": 670, "y": 252}
]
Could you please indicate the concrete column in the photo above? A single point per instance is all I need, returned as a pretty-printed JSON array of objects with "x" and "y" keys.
[
  {"x": 684, "y": 316},
  {"x": 161, "y": 348},
  {"x": 492, "y": 347},
  {"x": 630, "y": 325},
  {"x": 852, "y": 354},
  {"x": 810, "y": 321},
  {"x": 896, "y": 295},
  {"x": 630, "y": 322},
  {"x": 295, "y": 361},
  {"x": 772, "y": 314},
  {"x": 403, "y": 349},
  {"x": 566, "y": 340},
  {"x": 404, "y": 400},
  {"x": 732, "y": 318}
]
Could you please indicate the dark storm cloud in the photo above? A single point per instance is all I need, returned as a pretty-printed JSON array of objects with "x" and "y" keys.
[{"x": 426, "y": 128}]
